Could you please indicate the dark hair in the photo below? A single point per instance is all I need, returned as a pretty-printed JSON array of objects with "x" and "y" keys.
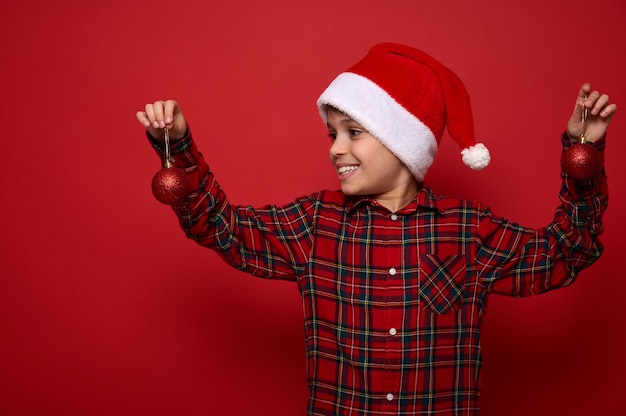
[{"x": 332, "y": 109}]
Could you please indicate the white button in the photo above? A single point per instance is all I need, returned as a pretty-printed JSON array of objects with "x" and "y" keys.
[
  {"x": 393, "y": 271},
  {"x": 393, "y": 331},
  {"x": 394, "y": 217},
  {"x": 390, "y": 397}
]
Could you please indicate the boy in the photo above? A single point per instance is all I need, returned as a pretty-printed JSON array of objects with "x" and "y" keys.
[{"x": 394, "y": 279}]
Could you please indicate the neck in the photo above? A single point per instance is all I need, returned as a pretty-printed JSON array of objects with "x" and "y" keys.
[{"x": 395, "y": 201}]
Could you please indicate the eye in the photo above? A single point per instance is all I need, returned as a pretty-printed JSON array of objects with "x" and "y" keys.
[
  {"x": 332, "y": 136},
  {"x": 354, "y": 132}
]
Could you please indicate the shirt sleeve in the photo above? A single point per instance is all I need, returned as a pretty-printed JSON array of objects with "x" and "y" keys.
[
  {"x": 517, "y": 261},
  {"x": 269, "y": 242}
]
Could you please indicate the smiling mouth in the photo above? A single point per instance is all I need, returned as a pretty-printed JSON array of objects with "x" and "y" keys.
[{"x": 344, "y": 170}]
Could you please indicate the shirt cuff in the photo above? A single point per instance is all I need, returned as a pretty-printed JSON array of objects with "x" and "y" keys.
[
  {"x": 180, "y": 154},
  {"x": 599, "y": 144}
]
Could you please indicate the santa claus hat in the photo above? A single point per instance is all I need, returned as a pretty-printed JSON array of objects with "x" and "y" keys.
[{"x": 405, "y": 98}]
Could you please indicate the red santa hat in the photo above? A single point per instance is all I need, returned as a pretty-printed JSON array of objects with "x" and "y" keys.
[{"x": 405, "y": 98}]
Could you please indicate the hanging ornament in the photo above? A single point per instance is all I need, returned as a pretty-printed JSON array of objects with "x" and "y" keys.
[
  {"x": 581, "y": 161},
  {"x": 170, "y": 185}
]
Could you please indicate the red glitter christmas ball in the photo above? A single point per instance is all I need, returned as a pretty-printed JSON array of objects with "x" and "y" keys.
[
  {"x": 581, "y": 161},
  {"x": 170, "y": 186}
]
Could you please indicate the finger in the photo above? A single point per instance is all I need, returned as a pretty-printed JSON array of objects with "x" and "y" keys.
[
  {"x": 588, "y": 103},
  {"x": 159, "y": 118},
  {"x": 150, "y": 114},
  {"x": 142, "y": 118},
  {"x": 583, "y": 94},
  {"x": 591, "y": 99},
  {"x": 608, "y": 112},
  {"x": 600, "y": 103},
  {"x": 170, "y": 110},
  {"x": 584, "y": 90}
]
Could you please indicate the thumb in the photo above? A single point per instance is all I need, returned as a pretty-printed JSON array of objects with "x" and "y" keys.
[
  {"x": 174, "y": 120},
  {"x": 575, "y": 123},
  {"x": 583, "y": 93}
]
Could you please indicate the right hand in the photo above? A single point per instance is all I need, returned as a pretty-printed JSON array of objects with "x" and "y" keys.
[
  {"x": 600, "y": 114},
  {"x": 160, "y": 115}
]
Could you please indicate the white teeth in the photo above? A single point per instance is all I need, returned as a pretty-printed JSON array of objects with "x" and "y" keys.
[{"x": 346, "y": 169}]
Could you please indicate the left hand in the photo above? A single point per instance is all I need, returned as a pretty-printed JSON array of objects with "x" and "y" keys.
[{"x": 599, "y": 115}]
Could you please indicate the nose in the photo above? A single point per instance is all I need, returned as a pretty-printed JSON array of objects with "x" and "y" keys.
[{"x": 338, "y": 147}]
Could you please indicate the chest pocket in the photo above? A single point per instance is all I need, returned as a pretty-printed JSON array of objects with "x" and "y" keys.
[{"x": 442, "y": 282}]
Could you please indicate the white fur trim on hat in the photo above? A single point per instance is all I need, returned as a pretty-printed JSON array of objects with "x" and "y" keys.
[
  {"x": 383, "y": 117},
  {"x": 476, "y": 157}
]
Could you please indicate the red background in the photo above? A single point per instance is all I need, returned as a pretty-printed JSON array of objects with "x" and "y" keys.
[{"x": 105, "y": 307}]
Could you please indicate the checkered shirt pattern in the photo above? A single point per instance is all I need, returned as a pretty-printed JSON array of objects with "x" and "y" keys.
[{"x": 393, "y": 302}]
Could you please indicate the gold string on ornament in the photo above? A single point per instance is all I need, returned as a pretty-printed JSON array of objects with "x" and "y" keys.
[
  {"x": 166, "y": 138},
  {"x": 583, "y": 139}
]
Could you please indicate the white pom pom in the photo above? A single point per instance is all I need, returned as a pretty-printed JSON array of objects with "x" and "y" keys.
[{"x": 476, "y": 157}]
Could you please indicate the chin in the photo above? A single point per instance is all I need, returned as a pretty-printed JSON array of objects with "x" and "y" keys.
[
  {"x": 353, "y": 192},
  {"x": 347, "y": 191}
]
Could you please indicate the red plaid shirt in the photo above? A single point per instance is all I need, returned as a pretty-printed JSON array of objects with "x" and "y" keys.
[{"x": 393, "y": 302}]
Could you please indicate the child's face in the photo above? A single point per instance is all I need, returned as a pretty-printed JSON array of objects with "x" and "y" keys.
[{"x": 363, "y": 164}]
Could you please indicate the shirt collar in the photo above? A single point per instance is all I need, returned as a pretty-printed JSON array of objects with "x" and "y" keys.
[{"x": 425, "y": 199}]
